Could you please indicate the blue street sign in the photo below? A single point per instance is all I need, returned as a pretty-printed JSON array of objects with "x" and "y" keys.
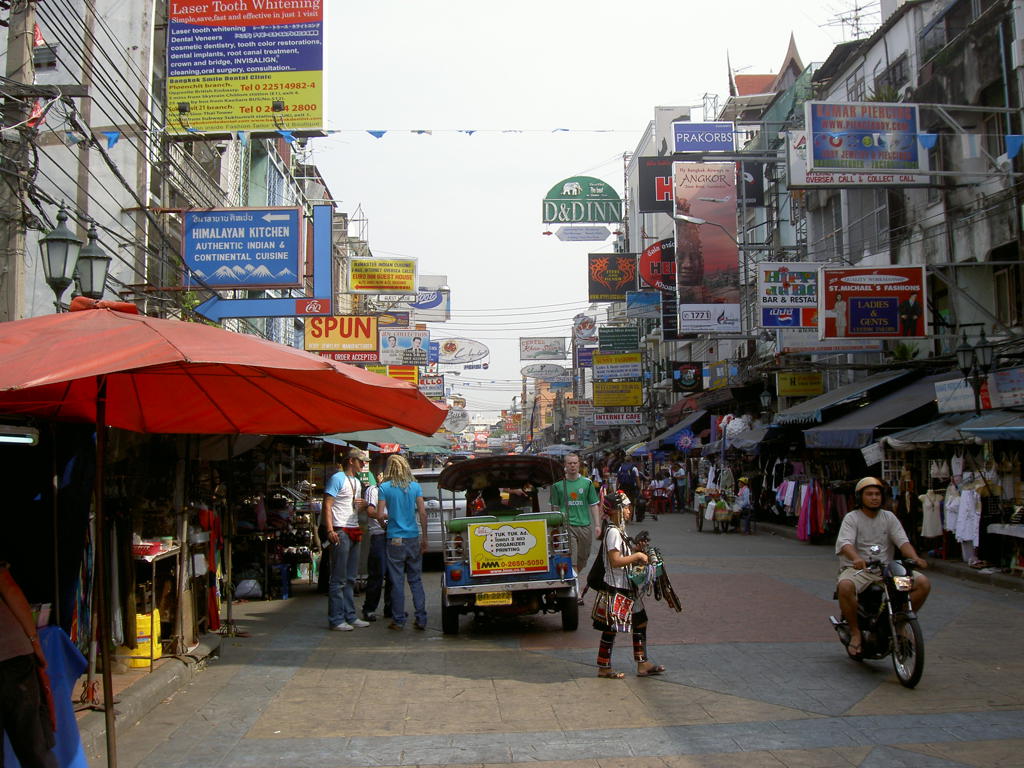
[
  {"x": 242, "y": 248},
  {"x": 703, "y": 137},
  {"x": 217, "y": 309}
]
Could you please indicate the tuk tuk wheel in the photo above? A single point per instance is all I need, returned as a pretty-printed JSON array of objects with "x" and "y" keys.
[
  {"x": 570, "y": 613},
  {"x": 450, "y": 620}
]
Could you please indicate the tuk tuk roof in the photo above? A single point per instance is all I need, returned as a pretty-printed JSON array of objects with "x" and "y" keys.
[{"x": 503, "y": 471}]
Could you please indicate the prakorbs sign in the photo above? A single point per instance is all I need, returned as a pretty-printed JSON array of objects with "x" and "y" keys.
[
  {"x": 787, "y": 295},
  {"x": 241, "y": 247},
  {"x": 610, "y": 276},
  {"x": 873, "y": 302},
  {"x": 703, "y": 137},
  {"x": 349, "y": 339},
  {"x": 582, "y": 199}
]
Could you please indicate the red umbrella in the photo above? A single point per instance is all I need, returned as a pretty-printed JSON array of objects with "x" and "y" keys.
[
  {"x": 122, "y": 369},
  {"x": 168, "y": 376}
]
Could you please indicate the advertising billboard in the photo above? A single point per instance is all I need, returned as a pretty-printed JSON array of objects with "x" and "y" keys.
[
  {"x": 865, "y": 137},
  {"x": 610, "y": 366},
  {"x": 657, "y": 266},
  {"x": 382, "y": 276},
  {"x": 584, "y": 328},
  {"x": 582, "y": 199},
  {"x": 686, "y": 377},
  {"x": 706, "y": 251},
  {"x": 703, "y": 137},
  {"x": 873, "y": 303},
  {"x": 432, "y": 386},
  {"x": 543, "y": 371},
  {"x": 458, "y": 351},
  {"x": 242, "y": 247},
  {"x": 787, "y": 295},
  {"x": 542, "y": 348},
  {"x": 804, "y": 384},
  {"x": 348, "y": 338},
  {"x": 799, "y": 176},
  {"x": 610, "y": 276},
  {"x": 618, "y": 338},
  {"x": 614, "y": 394},
  {"x": 234, "y": 66},
  {"x": 643, "y": 304},
  {"x": 654, "y": 184},
  {"x": 403, "y": 346}
]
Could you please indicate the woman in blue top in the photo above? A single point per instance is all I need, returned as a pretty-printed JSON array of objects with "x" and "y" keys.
[{"x": 400, "y": 499}]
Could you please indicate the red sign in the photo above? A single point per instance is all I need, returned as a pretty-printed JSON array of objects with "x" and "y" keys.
[
  {"x": 350, "y": 357},
  {"x": 658, "y": 266},
  {"x": 312, "y": 306},
  {"x": 873, "y": 303}
]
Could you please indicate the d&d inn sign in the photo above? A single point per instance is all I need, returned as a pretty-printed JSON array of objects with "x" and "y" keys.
[{"x": 582, "y": 199}]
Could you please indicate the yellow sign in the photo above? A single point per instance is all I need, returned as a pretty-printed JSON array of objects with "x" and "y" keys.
[
  {"x": 382, "y": 276},
  {"x": 799, "y": 384},
  {"x": 347, "y": 333},
  {"x": 512, "y": 547},
  {"x": 617, "y": 393},
  {"x": 613, "y": 358}
]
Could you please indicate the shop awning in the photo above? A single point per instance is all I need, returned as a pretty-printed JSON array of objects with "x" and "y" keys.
[
  {"x": 668, "y": 437},
  {"x": 810, "y": 411},
  {"x": 943, "y": 430},
  {"x": 856, "y": 429},
  {"x": 996, "y": 425},
  {"x": 748, "y": 441}
]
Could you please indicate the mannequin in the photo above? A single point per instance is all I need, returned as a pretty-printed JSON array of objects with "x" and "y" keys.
[{"x": 931, "y": 513}]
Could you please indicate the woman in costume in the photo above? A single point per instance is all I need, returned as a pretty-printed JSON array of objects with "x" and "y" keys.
[{"x": 618, "y": 606}]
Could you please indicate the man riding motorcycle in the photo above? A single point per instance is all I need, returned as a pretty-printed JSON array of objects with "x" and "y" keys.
[{"x": 862, "y": 528}]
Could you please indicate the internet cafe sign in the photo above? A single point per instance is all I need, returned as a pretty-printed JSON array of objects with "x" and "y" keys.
[{"x": 582, "y": 200}]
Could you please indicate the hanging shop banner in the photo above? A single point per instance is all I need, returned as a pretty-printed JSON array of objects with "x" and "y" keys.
[
  {"x": 644, "y": 305},
  {"x": 242, "y": 247},
  {"x": 703, "y": 137},
  {"x": 579, "y": 408},
  {"x": 657, "y": 265},
  {"x": 432, "y": 386},
  {"x": 800, "y": 176},
  {"x": 457, "y": 419},
  {"x": 800, "y": 384},
  {"x": 806, "y": 341},
  {"x": 584, "y": 329},
  {"x": 348, "y": 338},
  {"x": 584, "y": 357},
  {"x": 750, "y": 185},
  {"x": 687, "y": 377},
  {"x": 617, "y": 418},
  {"x": 654, "y": 180},
  {"x": 608, "y": 367},
  {"x": 611, "y": 275},
  {"x": 543, "y": 371},
  {"x": 707, "y": 255},
  {"x": 244, "y": 66},
  {"x": 582, "y": 200},
  {"x": 402, "y": 346},
  {"x": 431, "y": 306},
  {"x": 614, "y": 394},
  {"x": 866, "y": 137},
  {"x": 382, "y": 276},
  {"x": 497, "y": 548},
  {"x": 544, "y": 348},
  {"x": 392, "y": 319},
  {"x": 787, "y": 295},
  {"x": 873, "y": 303},
  {"x": 618, "y": 338},
  {"x": 461, "y": 351}
]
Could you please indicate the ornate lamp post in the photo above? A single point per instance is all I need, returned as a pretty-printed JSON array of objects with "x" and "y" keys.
[
  {"x": 975, "y": 362},
  {"x": 60, "y": 249},
  {"x": 93, "y": 265}
]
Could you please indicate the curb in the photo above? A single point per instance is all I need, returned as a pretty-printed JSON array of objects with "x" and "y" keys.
[
  {"x": 955, "y": 568},
  {"x": 136, "y": 701}
]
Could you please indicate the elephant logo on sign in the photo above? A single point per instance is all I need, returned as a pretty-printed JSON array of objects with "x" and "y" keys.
[{"x": 572, "y": 189}]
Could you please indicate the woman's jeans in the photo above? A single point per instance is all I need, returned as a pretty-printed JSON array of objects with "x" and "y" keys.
[{"x": 405, "y": 561}]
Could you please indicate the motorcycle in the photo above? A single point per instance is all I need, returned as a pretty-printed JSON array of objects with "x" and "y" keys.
[{"x": 888, "y": 624}]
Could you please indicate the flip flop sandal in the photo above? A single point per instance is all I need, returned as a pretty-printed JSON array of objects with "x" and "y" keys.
[
  {"x": 854, "y": 654},
  {"x": 611, "y": 675},
  {"x": 657, "y": 669}
]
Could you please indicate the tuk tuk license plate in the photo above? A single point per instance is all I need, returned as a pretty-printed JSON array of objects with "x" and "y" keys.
[{"x": 494, "y": 598}]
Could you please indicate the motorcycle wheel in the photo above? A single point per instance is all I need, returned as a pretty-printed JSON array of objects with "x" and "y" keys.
[{"x": 908, "y": 652}]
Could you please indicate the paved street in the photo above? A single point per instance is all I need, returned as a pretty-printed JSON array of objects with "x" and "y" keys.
[{"x": 755, "y": 678}]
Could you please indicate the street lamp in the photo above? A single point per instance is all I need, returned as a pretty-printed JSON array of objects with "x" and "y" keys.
[
  {"x": 975, "y": 362},
  {"x": 60, "y": 249},
  {"x": 93, "y": 265},
  {"x": 766, "y": 402}
]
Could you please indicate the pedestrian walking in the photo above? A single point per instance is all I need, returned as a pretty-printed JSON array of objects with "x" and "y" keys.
[
  {"x": 576, "y": 498},
  {"x": 619, "y": 607},
  {"x": 342, "y": 503},
  {"x": 377, "y": 581},
  {"x": 26, "y": 715},
  {"x": 400, "y": 498},
  {"x": 745, "y": 504}
]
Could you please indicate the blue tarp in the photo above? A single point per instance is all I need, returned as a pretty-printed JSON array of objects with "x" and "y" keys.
[{"x": 668, "y": 437}]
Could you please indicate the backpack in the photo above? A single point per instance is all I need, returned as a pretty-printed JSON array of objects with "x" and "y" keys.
[
  {"x": 625, "y": 474},
  {"x": 595, "y": 576}
]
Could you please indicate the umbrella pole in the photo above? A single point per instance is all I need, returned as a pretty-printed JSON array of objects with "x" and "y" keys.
[
  {"x": 229, "y": 629},
  {"x": 102, "y": 578}
]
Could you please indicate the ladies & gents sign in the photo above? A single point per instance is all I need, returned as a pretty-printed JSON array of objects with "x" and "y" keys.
[{"x": 873, "y": 302}]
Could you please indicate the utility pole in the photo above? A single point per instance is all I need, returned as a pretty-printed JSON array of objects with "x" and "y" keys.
[{"x": 14, "y": 161}]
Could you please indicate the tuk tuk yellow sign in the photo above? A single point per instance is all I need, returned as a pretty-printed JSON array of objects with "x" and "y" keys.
[
  {"x": 799, "y": 384},
  {"x": 512, "y": 547},
  {"x": 382, "y": 276},
  {"x": 617, "y": 393}
]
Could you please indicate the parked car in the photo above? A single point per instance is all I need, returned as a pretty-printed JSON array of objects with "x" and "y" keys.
[
  {"x": 455, "y": 504},
  {"x": 502, "y": 554}
]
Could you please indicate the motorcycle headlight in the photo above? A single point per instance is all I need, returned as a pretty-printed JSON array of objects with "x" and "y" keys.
[{"x": 903, "y": 583}]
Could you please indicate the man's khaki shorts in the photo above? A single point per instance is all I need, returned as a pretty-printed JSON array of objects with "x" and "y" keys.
[{"x": 861, "y": 579}]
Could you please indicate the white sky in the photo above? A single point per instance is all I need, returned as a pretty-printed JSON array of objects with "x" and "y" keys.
[{"x": 470, "y": 206}]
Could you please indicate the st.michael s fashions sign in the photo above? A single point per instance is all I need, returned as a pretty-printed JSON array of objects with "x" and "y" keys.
[{"x": 873, "y": 302}]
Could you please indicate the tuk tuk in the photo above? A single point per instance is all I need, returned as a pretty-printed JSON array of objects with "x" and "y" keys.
[{"x": 503, "y": 556}]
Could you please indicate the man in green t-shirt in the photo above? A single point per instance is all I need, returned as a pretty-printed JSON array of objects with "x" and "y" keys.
[{"x": 576, "y": 498}]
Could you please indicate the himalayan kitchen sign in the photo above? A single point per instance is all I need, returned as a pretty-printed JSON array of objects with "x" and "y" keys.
[
  {"x": 873, "y": 303},
  {"x": 582, "y": 200}
]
